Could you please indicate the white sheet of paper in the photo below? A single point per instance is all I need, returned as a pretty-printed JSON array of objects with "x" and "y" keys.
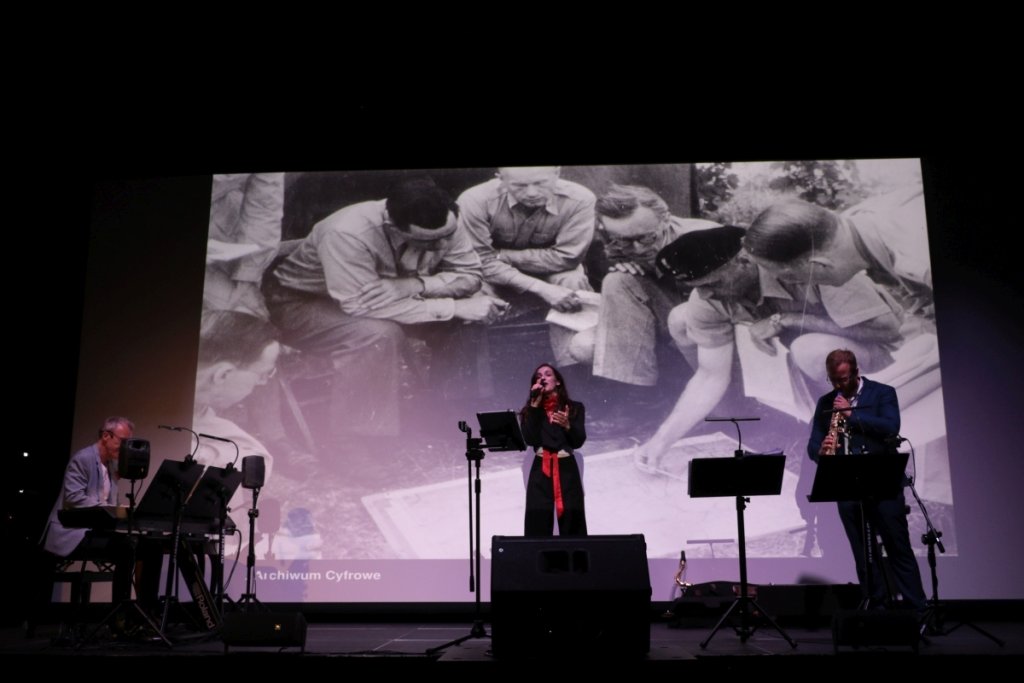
[
  {"x": 583, "y": 319},
  {"x": 767, "y": 378}
]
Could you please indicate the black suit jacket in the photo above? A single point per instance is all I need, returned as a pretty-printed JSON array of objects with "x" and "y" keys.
[{"x": 873, "y": 423}]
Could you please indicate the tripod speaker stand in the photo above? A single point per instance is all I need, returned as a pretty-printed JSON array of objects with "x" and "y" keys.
[
  {"x": 740, "y": 476},
  {"x": 502, "y": 433}
]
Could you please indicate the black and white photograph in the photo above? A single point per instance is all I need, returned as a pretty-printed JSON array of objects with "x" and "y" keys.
[{"x": 352, "y": 319}]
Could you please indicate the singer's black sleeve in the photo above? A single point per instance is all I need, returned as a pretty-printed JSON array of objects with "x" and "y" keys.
[
  {"x": 577, "y": 433},
  {"x": 532, "y": 423}
]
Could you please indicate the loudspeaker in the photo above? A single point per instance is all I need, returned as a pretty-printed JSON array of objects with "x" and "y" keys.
[
  {"x": 133, "y": 459},
  {"x": 273, "y": 629},
  {"x": 857, "y": 628},
  {"x": 253, "y": 471},
  {"x": 557, "y": 596}
]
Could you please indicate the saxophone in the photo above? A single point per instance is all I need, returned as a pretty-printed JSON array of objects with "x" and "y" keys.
[{"x": 836, "y": 427}]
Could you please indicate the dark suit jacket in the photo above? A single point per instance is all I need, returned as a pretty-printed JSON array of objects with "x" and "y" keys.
[
  {"x": 876, "y": 418},
  {"x": 540, "y": 433}
]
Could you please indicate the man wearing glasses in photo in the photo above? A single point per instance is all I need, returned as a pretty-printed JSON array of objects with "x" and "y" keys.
[
  {"x": 238, "y": 352},
  {"x": 633, "y": 224}
]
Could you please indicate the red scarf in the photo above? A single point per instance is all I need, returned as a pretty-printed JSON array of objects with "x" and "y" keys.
[{"x": 549, "y": 465}]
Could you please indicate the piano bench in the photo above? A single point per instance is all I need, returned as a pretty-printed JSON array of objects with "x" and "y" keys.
[
  {"x": 82, "y": 577},
  {"x": 81, "y": 573}
]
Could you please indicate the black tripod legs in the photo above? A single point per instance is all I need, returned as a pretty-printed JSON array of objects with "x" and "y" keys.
[
  {"x": 933, "y": 624},
  {"x": 743, "y": 605}
]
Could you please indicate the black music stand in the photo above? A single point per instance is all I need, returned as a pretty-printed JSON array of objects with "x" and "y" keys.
[
  {"x": 740, "y": 476},
  {"x": 165, "y": 499},
  {"x": 208, "y": 506},
  {"x": 860, "y": 478},
  {"x": 500, "y": 431}
]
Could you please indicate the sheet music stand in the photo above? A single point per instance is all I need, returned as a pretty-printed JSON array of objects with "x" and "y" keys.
[
  {"x": 499, "y": 431},
  {"x": 165, "y": 499},
  {"x": 859, "y": 478},
  {"x": 739, "y": 476},
  {"x": 209, "y": 504},
  {"x": 170, "y": 488}
]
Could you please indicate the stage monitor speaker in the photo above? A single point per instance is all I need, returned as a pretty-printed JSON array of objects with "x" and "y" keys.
[
  {"x": 133, "y": 459},
  {"x": 253, "y": 471},
  {"x": 270, "y": 629},
  {"x": 566, "y": 596},
  {"x": 875, "y": 628}
]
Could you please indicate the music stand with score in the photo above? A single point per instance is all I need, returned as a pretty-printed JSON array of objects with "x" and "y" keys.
[
  {"x": 499, "y": 431},
  {"x": 164, "y": 500},
  {"x": 860, "y": 478},
  {"x": 208, "y": 504},
  {"x": 740, "y": 476}
]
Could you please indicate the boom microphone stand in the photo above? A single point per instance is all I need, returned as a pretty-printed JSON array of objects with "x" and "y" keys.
[{"x": 932, "y": 622}]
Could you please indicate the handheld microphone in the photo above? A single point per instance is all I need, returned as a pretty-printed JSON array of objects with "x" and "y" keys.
[{"x": 535, "y": 391}]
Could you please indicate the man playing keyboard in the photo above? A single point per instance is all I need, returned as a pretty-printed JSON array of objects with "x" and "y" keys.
[{"x": 90, "y": 481}]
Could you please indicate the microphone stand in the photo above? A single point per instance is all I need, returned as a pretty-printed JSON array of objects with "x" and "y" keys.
[
  {"x": 474, "y": 454},
  {"x": 248, "y": 598},
  {"x": 932, "y": 622}
]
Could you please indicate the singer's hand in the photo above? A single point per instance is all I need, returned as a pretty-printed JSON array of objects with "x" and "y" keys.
[
  {"x": 535, "y": 391},
  {"x": 561, "y": 418}
]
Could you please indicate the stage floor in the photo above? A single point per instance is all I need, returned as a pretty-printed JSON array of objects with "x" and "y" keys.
[{"x": 367, "y": 644}]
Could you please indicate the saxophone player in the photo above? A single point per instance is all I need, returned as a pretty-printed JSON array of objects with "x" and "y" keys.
[{"x": 868, "y": 429}]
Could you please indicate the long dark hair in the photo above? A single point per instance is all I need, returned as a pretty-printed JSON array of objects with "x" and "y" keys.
[{"x": 560, "y": 391}]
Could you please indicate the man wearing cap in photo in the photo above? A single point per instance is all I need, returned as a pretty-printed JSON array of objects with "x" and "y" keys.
[{"x": 729, "y": 289}]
